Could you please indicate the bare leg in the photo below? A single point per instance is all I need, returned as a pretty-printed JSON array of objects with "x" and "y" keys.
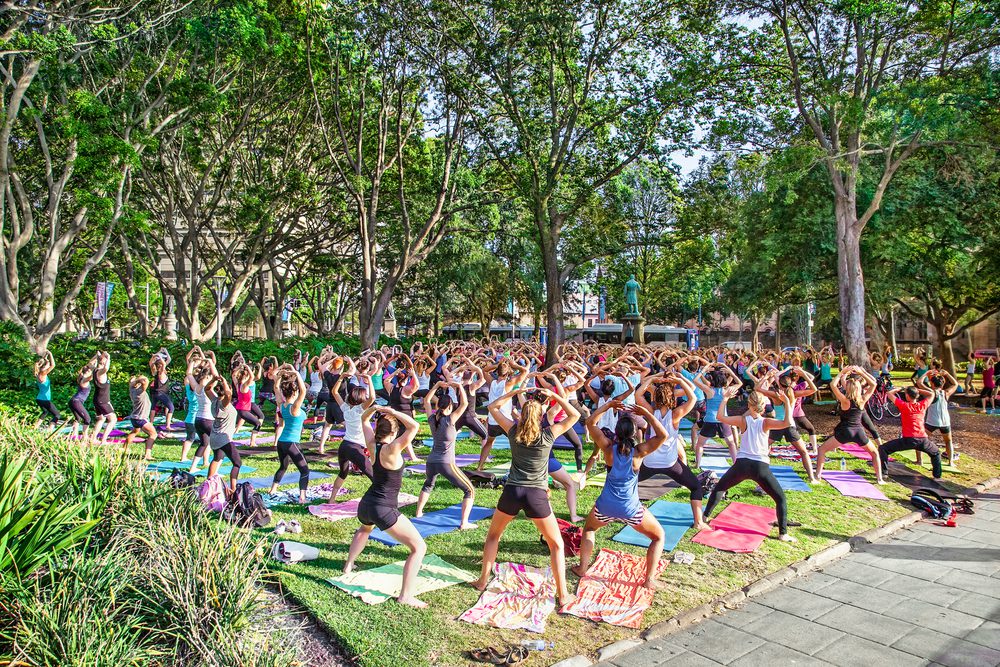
[
  {"x": 150, "y": 439},
  {"x": 466, "y": 511},
  {"x": 357, "y": 546},
  {"x": 731, "y": 443},
  {"x": 699, "y": 517},
  {"x": 185, "y": 449},
  {"x": 404, "y": 531},
  {"x": 112, "y": 420},
  {"x": 699, "y": 446},
  {"x": 828, "y": 446},
  {"x": 549, "y": 528},
  {"x": 654, "y": 531},
  {"x": 587, "y": 544},
  {"x": 337, "y": 483},
  {"x": 564, "y": 480},
  {"x": 876, "y": 461},
  {"x": 498, "y": 524},
  {"x": 484, "y": 453},
  {"x": 422, "y": 500},
  {"x": 100, "y": 424},
  {"x": 806, "y": 460}
]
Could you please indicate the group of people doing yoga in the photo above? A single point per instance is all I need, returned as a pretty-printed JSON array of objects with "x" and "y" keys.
[{"x": 632, "y": 401}]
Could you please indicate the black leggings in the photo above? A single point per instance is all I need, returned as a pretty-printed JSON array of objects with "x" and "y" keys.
[
  {"x": 203, "y": 427},
  {"x": 233, "y": 454},
  {"x": 253, "y": 416},
  {"x": 574, "y": 438},
  {"x": 678, "y": 472},
  {"x": 869, "y": 425},
  {"x": 803, "y": 424},
  {"x": 289, "y": 452},
  {"x": 79, "y": 411},
  {"x": 469, "y": 421},
  {"x": 49, "y": 409},
  {"x": 760, "y": 472},
  {"x": 350, "y": 452},
  {"x": 918, "y": 444},
  {"x": 451, "y": 473},
  {"x": 164, "y": 400}
]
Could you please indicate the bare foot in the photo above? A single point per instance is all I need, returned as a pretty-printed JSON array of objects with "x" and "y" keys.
[
  {"x": 787, "y": 538},
  {"x": 348, "y": 568},
  {"x": 479, "y": 584},
  {"x": 702, "y": 526},
  {"x": 468, "y": 526},
  {"x": 575, "y": 519},
  {"x": 578, "y": 571},
  {"x": 880, "y": 481},
  {"x": 653, "y": 585},
  {"x": 418, "y": 514},
  {"x": 412, "y": 602},
  {"x": 565, "y": 600}
]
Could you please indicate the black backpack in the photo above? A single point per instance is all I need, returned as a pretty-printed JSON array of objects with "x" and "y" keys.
[
  {"x": 246, "y": 507},
  {"x": 181, "y": 479},
  {"x": 484, "y": 480}
]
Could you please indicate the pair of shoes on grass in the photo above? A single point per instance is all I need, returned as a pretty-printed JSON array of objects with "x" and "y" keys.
[{"x": 292, "y": 526}]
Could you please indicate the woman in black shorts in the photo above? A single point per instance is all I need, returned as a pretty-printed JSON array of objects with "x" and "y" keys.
[
  {"x": 379, "y": 507},
  {"x": 852, "y": 389},
  {"x": 160, "y": 385},
  {"x": 332, "y": 414},
  {"x": 441, "y": 461},
  {"x": 102, "y": 398},
  {"x": 527, "y": 484}
]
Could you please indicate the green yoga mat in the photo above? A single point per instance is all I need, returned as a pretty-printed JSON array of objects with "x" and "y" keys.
[
  {"x": 383, "y": 583},
  {"x": 596, "y": 480},
  {"x": 910, "y": 455}
]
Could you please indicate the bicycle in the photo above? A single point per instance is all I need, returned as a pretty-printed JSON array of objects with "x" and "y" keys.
[{"x": 880, "y": 403}]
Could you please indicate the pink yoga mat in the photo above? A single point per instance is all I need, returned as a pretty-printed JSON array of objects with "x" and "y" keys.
[
  {"x": 857, "y": 451},
  {"x": 349, "y": 508},
  {"x": 263, "y": 439},
  {"x": 740, "y": 528},
  {"x": 852, "y": 484}
]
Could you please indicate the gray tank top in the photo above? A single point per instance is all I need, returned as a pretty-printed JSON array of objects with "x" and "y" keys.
[{"x": 529, "y": 465}]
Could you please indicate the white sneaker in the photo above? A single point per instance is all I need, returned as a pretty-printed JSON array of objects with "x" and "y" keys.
[{"x": 281, "y": 528}]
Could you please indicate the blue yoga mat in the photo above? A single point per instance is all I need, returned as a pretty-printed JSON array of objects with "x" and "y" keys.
[
  {"x": 265, "y": 482},
  {"x": 716, "y": 463},
  {"x": 789, "y": 479},
  {"x": 436, "y": 523},
  {"x": 169, "y": 466},
  {"x": 675, "y": 518}
]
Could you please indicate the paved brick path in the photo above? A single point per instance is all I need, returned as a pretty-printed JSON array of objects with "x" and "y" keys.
[{"x": 927, "y": 596}]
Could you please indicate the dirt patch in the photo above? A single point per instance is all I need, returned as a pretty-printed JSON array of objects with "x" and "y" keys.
[{"x": 315, "y": 647}]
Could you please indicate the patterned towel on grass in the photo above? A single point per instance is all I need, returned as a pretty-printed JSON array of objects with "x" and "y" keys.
[
  {"x": 349, "y": 508},
  {"x": 383, "y": 583},
  {"x": 291, "y": 496},
  {"x": 519, "y": 597},
  {"x": 613, "y": 590}
]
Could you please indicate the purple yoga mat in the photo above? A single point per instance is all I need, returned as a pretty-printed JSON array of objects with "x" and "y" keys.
[
  {"x": 850, "y": 483},
  {"x": 460, "y": 460}
]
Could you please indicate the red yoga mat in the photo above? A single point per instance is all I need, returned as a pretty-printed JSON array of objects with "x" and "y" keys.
[{"x": 740, "y": 528}]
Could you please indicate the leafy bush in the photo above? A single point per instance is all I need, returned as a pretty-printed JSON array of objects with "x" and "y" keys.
[{"x": 138, "y": 573}]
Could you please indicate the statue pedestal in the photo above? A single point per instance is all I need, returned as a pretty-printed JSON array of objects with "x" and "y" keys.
[
  {"x": 170, "y": 326},
  {"x": 389, "y": 327},
  {"x": 632, "y": 329}
]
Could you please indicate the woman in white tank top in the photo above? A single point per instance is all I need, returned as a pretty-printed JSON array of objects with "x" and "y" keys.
[{"x": 753, "y": 456}]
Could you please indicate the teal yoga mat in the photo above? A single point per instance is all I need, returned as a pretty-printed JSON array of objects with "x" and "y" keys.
[{"x": 675, "y": 518}]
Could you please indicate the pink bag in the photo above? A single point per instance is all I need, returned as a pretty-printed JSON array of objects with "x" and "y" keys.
[{"x": 212, "y": 493}]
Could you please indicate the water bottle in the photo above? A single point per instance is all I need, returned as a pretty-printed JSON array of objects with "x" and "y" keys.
[
  {"x": 536, "y": 644},
  {"x": 843, "y": 464}
]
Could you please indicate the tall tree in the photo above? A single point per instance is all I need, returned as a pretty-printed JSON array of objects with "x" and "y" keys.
[
  {"x": 566, "y": 96},
  {"x": 862, "y": 81},
  {"x": 80, "y": 81}
]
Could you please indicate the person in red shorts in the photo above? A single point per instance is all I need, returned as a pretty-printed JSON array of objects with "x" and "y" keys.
[{"x": 912, "y": 409}]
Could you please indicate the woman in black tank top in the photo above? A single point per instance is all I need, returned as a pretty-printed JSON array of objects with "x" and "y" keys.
[
  {"x": 380, "y": 504},
  {"x": 852, "y": 389},
  {"x": 102, "y": 398}
]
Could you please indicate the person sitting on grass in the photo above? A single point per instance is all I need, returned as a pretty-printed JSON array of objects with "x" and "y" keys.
[
  {"x": 912, "y": 409},
  {"x": 527, "y": 484},
  {"x": 440, "y": 411},
  {"x": 753, "y": 459},
  {"x": 141, "y": 407},
  {"x": 619, "y": 499},
  {"x": 379, "y": 507}
]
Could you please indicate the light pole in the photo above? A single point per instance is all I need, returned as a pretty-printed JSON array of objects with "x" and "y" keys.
[{"x": 218, "y": 311}]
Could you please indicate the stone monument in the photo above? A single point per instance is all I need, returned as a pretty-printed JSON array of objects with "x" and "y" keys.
[{"x": 632, "y": 321}]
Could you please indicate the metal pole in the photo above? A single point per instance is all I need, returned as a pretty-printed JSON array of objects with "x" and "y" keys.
[
  {"x": 699, "y": 305},
  {"x": 809, "y": 324},
  {"x": 147, "y": 302}
]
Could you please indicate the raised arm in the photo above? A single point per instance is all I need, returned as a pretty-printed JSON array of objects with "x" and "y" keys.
[
  {"x": 720, "y": 413},
  {"x": 503, "y": 421}
]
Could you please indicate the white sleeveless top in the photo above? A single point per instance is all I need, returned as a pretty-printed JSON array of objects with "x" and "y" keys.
[
  {"x": 424, "y": 381},
  {"x": 666, "y": 454},
  {"x": 753, "y": 443},
  {"x": 609, "y": 419},
  {"x": 497, "y": 389},
  {"x": 315, "y": 382},
  {"x": 353, "y": 431}
]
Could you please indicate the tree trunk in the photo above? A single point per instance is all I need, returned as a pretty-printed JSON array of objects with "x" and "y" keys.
[
  {"x": 754, "y": 332},
  {"x": 851, "y": 282},
  {"x": 777, "y": 329},
  {"x": 945, "y": 332},
  {"x": 553, "y": 290},
  {"x": 892, "y": 332}
]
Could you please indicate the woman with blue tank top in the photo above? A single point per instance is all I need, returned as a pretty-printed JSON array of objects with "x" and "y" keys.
[
  {"x": 43, "y": 398},
  {"x": 290, "y": 393},
  {"x": 714, "y": 379},
  {"x": 619, "y": 499}
]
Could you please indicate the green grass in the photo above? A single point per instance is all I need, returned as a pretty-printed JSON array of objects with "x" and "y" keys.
[{"x": 389, "y": 634}]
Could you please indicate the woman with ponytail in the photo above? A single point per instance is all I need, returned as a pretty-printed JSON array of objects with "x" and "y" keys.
[
  {"x": 670, "y": 459},
  {"x": 527, "y": 485},
  {"x": 619, "y": 499}
]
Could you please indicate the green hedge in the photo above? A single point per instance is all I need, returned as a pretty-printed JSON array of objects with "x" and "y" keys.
[{"x": 129, "y": 358}]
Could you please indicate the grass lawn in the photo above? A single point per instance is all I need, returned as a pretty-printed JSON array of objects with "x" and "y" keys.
[{"x": 390, "y": 634}]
